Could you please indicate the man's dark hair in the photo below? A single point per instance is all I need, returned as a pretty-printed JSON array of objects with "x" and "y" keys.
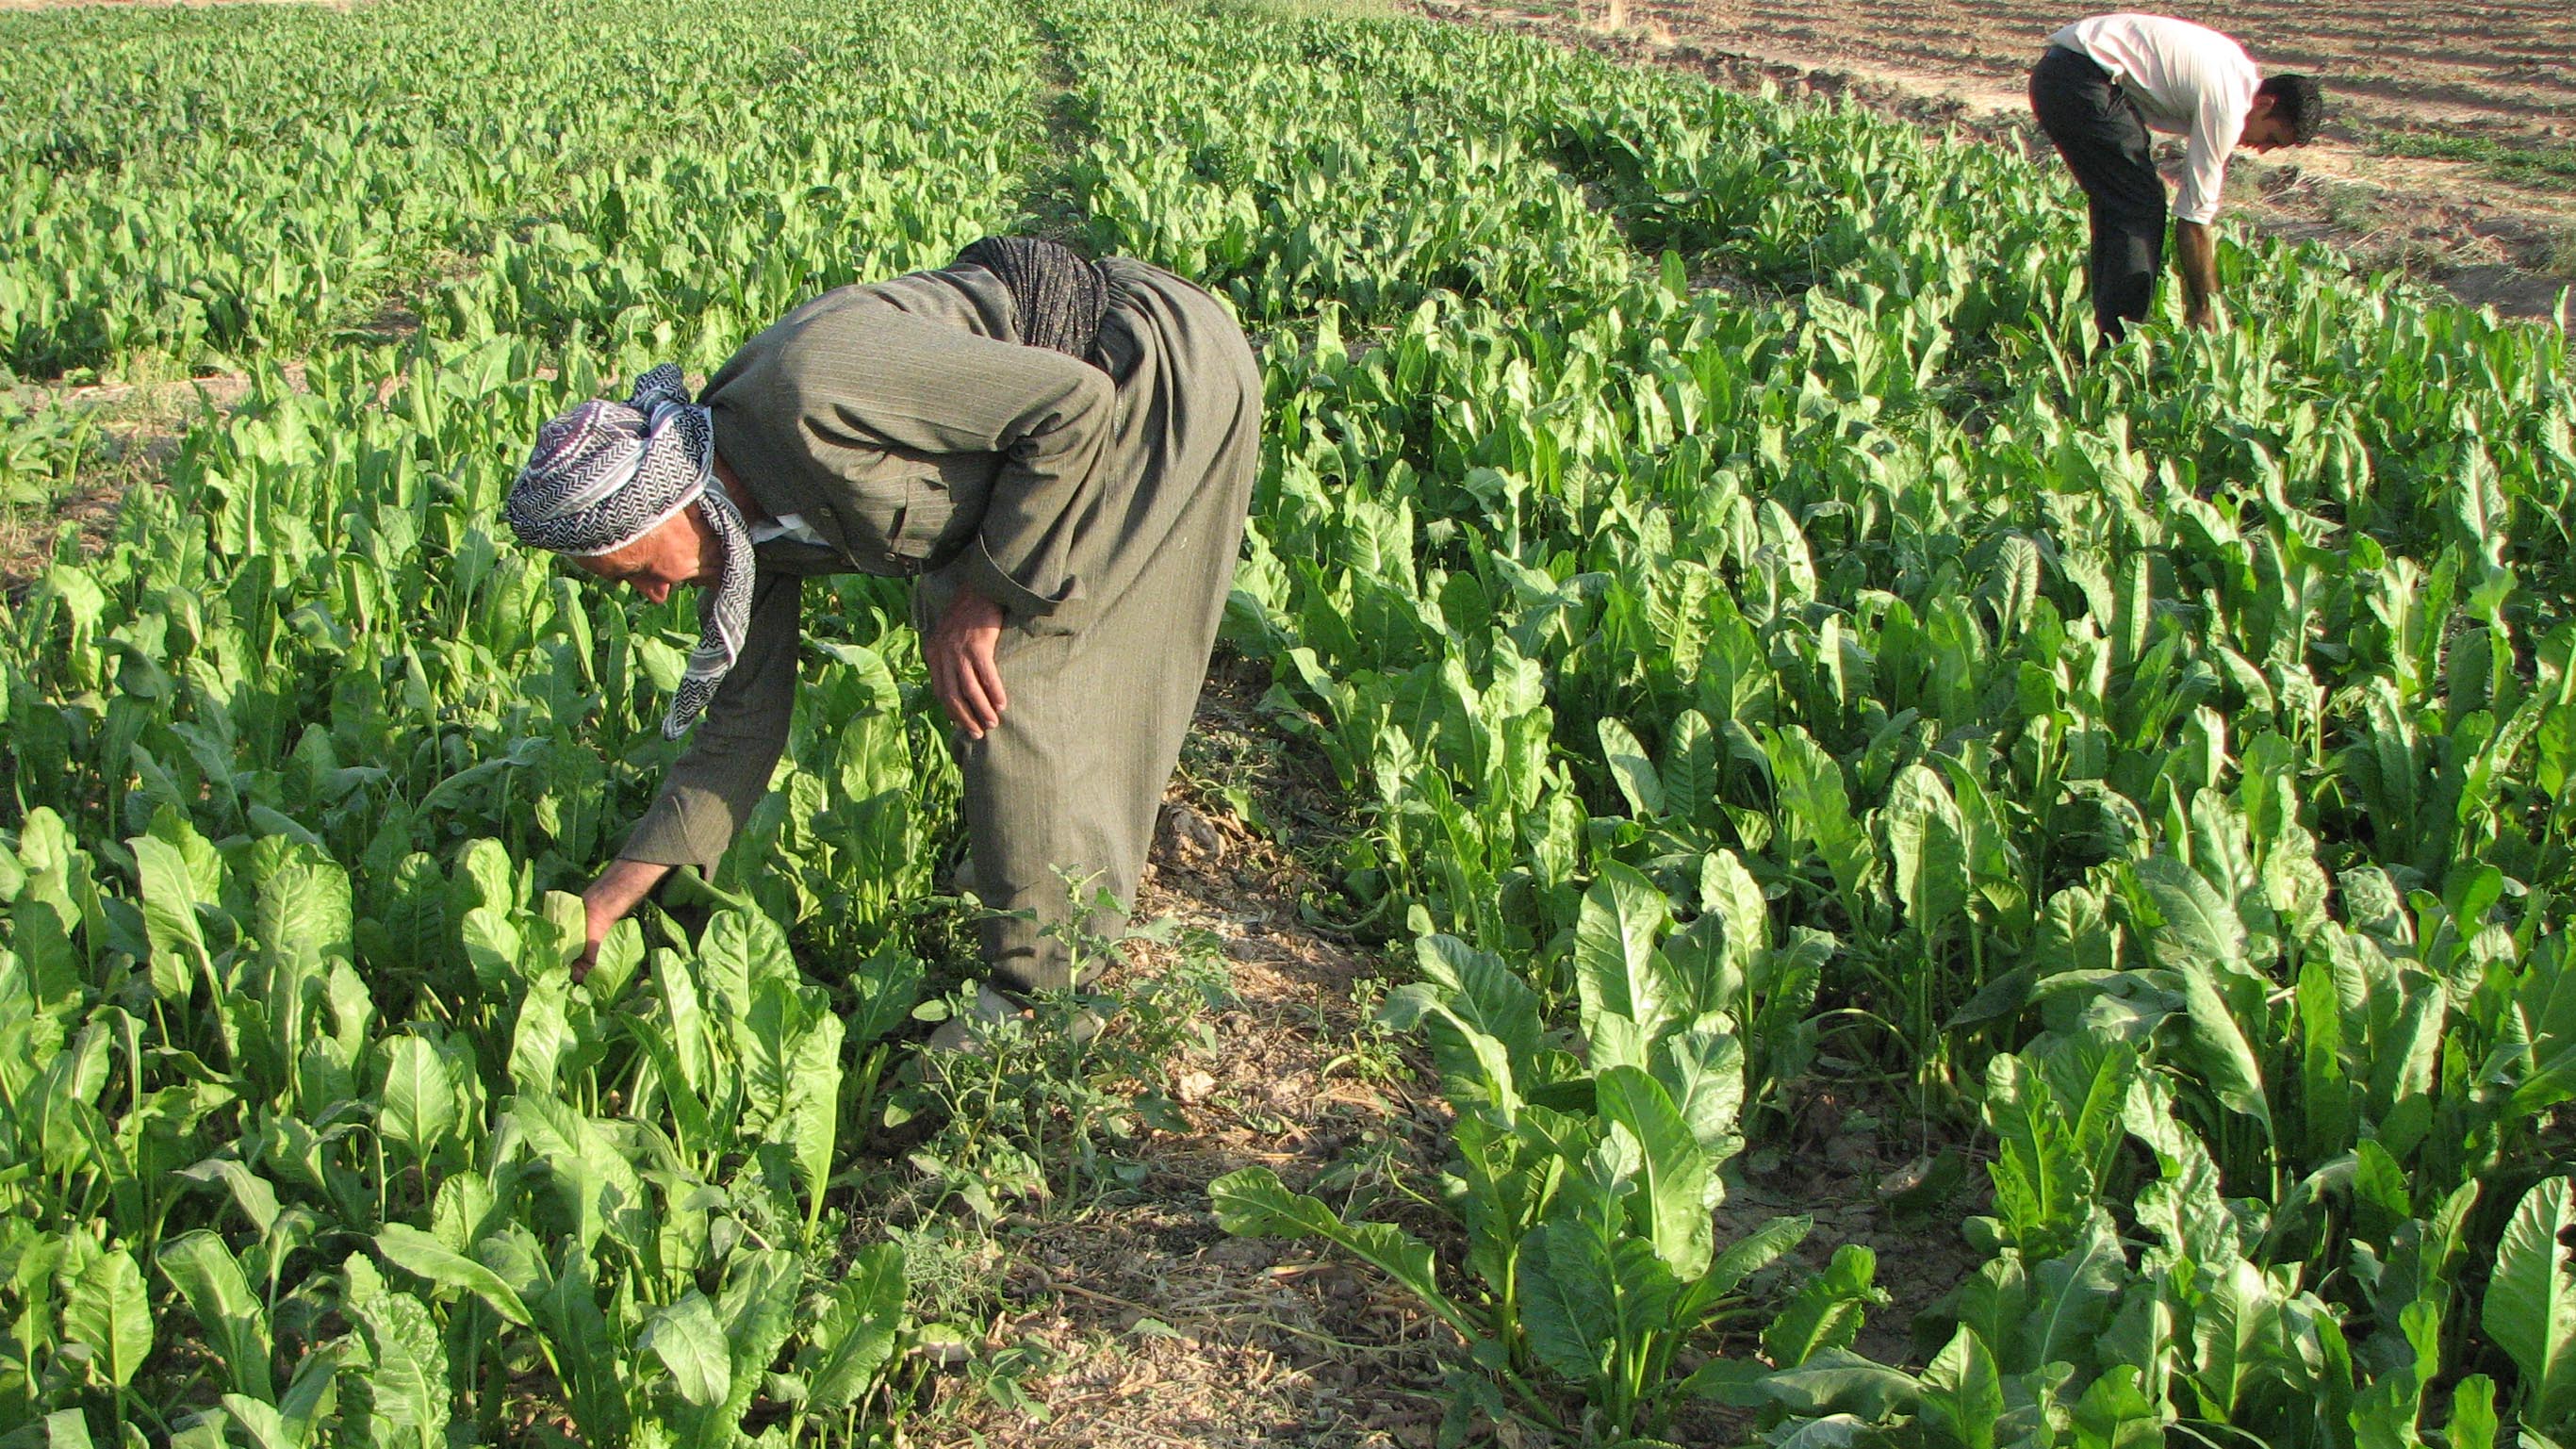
[{"x": 2298, "y": 100}]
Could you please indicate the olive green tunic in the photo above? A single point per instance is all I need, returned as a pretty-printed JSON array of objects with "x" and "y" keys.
[{"x": 1101, "y": 506}]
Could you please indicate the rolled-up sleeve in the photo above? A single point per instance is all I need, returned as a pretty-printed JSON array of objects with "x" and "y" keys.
[
  {"x": 876, "y": 376},
  {"x": 711, "y": 789}
]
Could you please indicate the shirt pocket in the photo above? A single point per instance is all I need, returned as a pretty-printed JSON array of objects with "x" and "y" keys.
[
  {"x": 903, "y": 512},
  {"x": 944, "y": 506},
  {"x": 873, "y": 508},
  {"x": 923, "y": 517}
]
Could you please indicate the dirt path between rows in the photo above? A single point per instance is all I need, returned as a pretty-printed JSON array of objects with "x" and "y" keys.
[
  {"x": 1152, "y": 1326},
  {"x": 1953, "y": 66},
  {"x": 1158, "y": 1329}
]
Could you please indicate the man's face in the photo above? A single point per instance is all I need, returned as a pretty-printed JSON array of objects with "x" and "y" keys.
[
  {"x": 2265, "y": 129},
  {"x": 681, "y": 549}
]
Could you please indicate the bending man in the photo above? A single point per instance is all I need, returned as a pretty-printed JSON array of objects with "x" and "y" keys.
[
  {"x": 2104, "y": 83},
  {"x": 1060, "y": 453}
]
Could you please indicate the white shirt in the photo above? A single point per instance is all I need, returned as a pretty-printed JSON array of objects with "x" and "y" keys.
[
  {"x": 2187, "y": 80},
  {"x": 789, "y": 526}
]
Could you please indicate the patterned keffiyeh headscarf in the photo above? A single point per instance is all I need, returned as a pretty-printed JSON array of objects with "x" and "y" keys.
[{"x": 606, "y": 474}]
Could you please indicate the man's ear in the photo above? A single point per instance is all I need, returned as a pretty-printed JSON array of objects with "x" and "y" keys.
[{"x": 2264, "y": 104}]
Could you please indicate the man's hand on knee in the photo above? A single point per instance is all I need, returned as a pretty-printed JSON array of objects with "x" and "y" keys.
[{"x": 963, "y": 674}]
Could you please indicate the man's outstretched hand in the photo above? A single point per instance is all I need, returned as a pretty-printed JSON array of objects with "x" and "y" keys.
[
  {"x": 619, "y": 889},
  {"x": 960, "y": 655}
]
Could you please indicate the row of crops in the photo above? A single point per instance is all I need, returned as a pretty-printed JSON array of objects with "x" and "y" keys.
[{"x": 1758, "y": 653}]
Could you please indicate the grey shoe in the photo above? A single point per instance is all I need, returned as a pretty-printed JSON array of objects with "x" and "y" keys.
[
  {"x": 958, "y": 1033},
  {"x": 991, "y": 1008}
]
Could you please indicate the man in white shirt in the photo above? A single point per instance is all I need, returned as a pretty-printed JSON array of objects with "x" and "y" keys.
[{"x": 2107, "y": 81}]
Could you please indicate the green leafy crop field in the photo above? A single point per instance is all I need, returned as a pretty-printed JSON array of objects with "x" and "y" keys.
[{"x": 1755, "y": 648}]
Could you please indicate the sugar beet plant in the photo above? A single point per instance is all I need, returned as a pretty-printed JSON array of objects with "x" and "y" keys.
[
  {"x": 213, "y": 187},
  {"x": 1760, "y": 650},
  {"x": 301, "y": 1073},
  {"x": 311, "y": 1135},
  {"x": 2159, "y": 759}
]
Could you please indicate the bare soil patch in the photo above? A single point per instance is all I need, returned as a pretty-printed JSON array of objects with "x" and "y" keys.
[
  {"x": 136, "y": 429},
  {"x": 2399, "y": 73},
  {"x": 1152, "y": 1325},
  {"x": 133, "y": 430}
]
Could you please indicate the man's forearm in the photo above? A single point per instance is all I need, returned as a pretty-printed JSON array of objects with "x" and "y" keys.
[
  {"x": 619, "y": 890},
  {"x": 2196, "y": 253}
]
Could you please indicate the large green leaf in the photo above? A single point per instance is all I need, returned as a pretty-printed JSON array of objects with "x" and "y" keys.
[
  {"x": 2073, "y": 1296},
  {"x": 1729, "y": 891},
  {"x": 1631, "y": 769},
  {"x": 620, "y": 952},
  {"x": 1812, "y": 797},
  {"x": 888, "y": 986},
  {"x": 2114, "y": 1414},
  {"x": 1568, "y": 1302},
  {"x": 764, "y": 1042},
  {"x": 1481, "y": 1018},
  {"x": 1926, "y": 848},
  {"x": 109, "y": 1314},
  {"x": 416, "y": 1105},
  {"x": 2041, "y": 1183},
  {"x": 2473, "y": 1414},
  {"x": 1690, "y": 766},
  {"x": 2235, "y": 1335},
  {"x": 543, "y": 1033},
  {"x": 593, "y": 1184},
  {"x": 1680, "y": 1178},
  {"x": 1963, "y": 1391},
  {"x": 407, "y": 1377},
  {"x": 2199, "y": 925},
  {"x": 1703, "y": 1070},
  {"x": 2530, "y": 1307},
  {"x": 1838, "y": 1381},
  {"x": 811, "y": 1117},
  {"x": 1754, "y": 1252},
  {"x": 2545, "y": 1001},
  {"x": 2186, "y": 1209},
  {"x": 493, "y": 946},
  {"x": 1253, "y": 1203},
  {"x": 2088, "y": 1078},
  {"x": 1824, "y": 1315},
  {"x": 738, "y": 948},
  {"x": 417, "y": 1252},
  {"x": 689, "y": 1342},
  {"x": 758, "y": 1310},
  {"x": 697, "y": 1131},
  {"x": 853, "y": 1338},
  {"x": 2326, "y": 1092},
  {"x": 170, "y": 902},
  {"x": 234, "y": 1318},
  {"x": 303, "y": 912},
  {"x": 2225, "y": 1060},
  {"x": 1618, "y": 971}
]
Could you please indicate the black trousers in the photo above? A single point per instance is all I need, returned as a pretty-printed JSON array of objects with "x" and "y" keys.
[{"x": 2097, "y": 128}]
